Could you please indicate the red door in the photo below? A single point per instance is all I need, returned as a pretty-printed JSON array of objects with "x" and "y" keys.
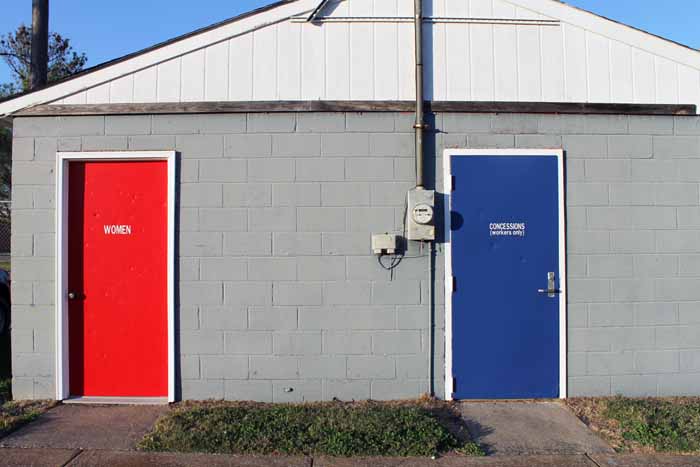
[{"x": 117, "y": 278}]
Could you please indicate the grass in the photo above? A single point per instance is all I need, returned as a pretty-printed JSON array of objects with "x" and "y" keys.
[
  {"x": 14, "y": 414},
  {"x": 669, "y": 425},
  {"x": 424, "y": 428}
]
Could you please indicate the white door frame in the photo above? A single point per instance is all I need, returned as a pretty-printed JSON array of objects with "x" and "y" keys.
[
  {"x": 447, "y": 189},
  {"x": 62, "y": 181}
]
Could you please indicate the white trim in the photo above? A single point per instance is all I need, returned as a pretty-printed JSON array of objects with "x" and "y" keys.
[
  {"x": 62, "y": 348},
  {"x": 159, "y": 55},
  {"x": 447, "y": 189}
]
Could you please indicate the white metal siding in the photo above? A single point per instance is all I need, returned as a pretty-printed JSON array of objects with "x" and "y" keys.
[{"x": 482, "y": 57}]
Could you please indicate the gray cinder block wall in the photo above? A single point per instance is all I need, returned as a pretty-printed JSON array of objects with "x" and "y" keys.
[{"x": 290, "y": 297}]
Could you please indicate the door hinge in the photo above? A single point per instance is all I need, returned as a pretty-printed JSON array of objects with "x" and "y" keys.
[
  {"x": 453, "y": 183},
  {"x": 454, "y": 386},
  {"x": 454, "y": 284}
]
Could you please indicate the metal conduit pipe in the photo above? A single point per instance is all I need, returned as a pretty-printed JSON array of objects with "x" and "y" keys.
[{"x": 420, "y": 123}]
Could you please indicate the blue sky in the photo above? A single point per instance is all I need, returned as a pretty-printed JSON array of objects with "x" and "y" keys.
[{"x": 110, "y": 29}]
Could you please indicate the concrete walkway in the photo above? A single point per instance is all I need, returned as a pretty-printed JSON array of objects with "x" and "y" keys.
[{"x": 529, "y": 428}]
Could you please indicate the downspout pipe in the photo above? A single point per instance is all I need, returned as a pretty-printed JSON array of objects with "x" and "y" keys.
[{"x": 420, "y": 117}]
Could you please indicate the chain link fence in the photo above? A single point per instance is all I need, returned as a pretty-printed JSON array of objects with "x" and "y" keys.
[{"x": 5, "y": 228}]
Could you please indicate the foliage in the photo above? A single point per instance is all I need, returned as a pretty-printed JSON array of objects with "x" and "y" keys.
[
  {"x": 5, "y": 390},
  {"x": 667, "y": 425},
  {"x": 16, "y": 50},
  {"x": 18, "y": 413},
  {"x": 336, "y": 429}
]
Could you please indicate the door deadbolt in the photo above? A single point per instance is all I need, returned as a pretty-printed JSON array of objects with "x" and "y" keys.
[{"x": 551, "y": 289}]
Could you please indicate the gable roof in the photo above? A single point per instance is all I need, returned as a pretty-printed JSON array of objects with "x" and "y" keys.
[{"x": 314, "y": 10}]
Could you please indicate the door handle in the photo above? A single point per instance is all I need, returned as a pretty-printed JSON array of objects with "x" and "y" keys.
[
  {"x": 551, "y": 289},
  {"x": 72, "y": 295}
]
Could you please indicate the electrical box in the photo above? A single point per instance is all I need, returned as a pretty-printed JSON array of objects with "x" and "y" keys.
[
  {"x": 420, "y": 218},
  {"x": 384, "y": 244}
]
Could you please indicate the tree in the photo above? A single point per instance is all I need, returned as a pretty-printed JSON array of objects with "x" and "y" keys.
[{"x": 16, "y": 51}]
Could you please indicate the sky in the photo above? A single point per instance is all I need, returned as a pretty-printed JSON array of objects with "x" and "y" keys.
[{"x": 109, "y": 29}]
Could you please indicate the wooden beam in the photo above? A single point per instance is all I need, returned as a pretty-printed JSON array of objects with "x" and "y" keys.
[{"x": 357, "y": 106}]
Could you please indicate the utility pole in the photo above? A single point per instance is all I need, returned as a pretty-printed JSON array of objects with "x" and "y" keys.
[{"x": 40, "y": 44}]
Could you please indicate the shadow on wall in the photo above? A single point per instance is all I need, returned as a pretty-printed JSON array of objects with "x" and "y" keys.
[{"x": 5, "y": 357}]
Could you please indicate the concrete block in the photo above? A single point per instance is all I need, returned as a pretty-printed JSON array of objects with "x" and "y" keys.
[
  {"x": 178, "y": 124},
  {"x": 689, "y": 313},
  {"x": 514, "y": 123},
  {"x": 561, "y": 124},
  {"x": 273, "y": 318},
  {"x": 272, "y": 220},
  {"x": 248, "y": 343},
  {"x": 369, "y": 122},
  {"x": 201, "y": 195},
  {"x": 269, "y": 367},
  {"x": 345, "y": 194},
  {"x": 396, "y": 293},
  {"x": 466, "y": 123},
  {"x": 654, "y": 314},
  {"x": 296, "y": 145},
  {"x": 347, "y": 293},
  {"x": 284, "y": 392},
  {"x": 248, "y": 293},
  {"x": 226, "y": 269},
  {"x": 633, "y": 241},
  {"x": 653, "y": 170},
  {"x": 374, "y": 367},
  {"x": 320, "y": 123},
  {"x": 589, "y": 290},
  {"x": 34, "y": 173},
  {"x": 22, "y": 148},
  {"x": 633, "y": 194},
  {"x": 589, "y": 194},
  {"x": 33, "y": 221},
  {"x": 45, "y": 148},
  {"x": 223, "y": 317},
  {"x": 221, "y": 123},
  {"x": 577, "y": 266},
  {"x": 590, "y": 386},
  {"x": 687, "y": 125},
  {"x": 296, "y": 244},
  {"x": 320, "y": 170},
  {"x": 224, "y": 367},
  {"x": 681, "y": 241},
  {"x": 412, "y": 317},
  {"x": 676, "y": 146},
  {"x": 196, "y": 244},
  {"x": 374, "y": 219},
  {"x": 35, "y": 126},
  {"x": 271, "y": 123},
  {"x": 636, "y": 290},
  {"x": 296, "y": 194},
  {"x": 152, "y": 143},
  {"x": 23, "y": 197},
  {"x": 689, "y": 361},
  {"x": 353, "y": 243},
  {"x": 128, "y": 125},
  {"x": 490, "y": 141},
  {"x": 188, "y": 317},
  {"x": 630, "y": 146},
  {"x": 22, "y": 245},
  {"x": 322, "y": 366},
  {"x": 247, "y": 194},
  {"x": 655, "y": 265},
  {"x": 538, "y": 141},
  {"x": 650, "y": 125},
  {"x": 677, "y": 194},
  {"x": 321, "y": 268},
  {"x": 396, "y": 343},
  {"x": 369, "y": 169},
  {"x": 297, "y": 293},
  {"x": 189, "y": 367},
  {"x": 657, "y": 362},
  {"x": 610, "y": 266},
  {"x": 346, "y": 390},
  {"x": 305, "y": 343},
  {"x": 575, "y": 170},
  {"x": 247, "y": 244},
  {"x": 272, "y": 269},
  {"x": 611, "y": 315},
  {"x": 259, "y": 391},
  {"x": 22, "y": 341},
  {"x": 321, "y": 219},
  {"x": 675, "y": 337},
  {"x": 80, "y": 126},
  {"x": 634, "y": 217},
  {"x": 392, "y": 145},
  {"x": 32, "y": 269},
  {"x": 22, "y": 292},
  {"x": 223, "y": 219},
  {"x": 635, "y": 385},
  {"x": 389, "y": 193},
  {"x": 689, "y": 218},
  {"x": 607, "y": 170},
  {"x": 366, "y": 268},
  {"x": 200, "y": 146},
  {"x": 361, "y": 318},
  {"x": 404, "y": 169},
  {"x": 44, "y": 197},
  {"x": 345, "y": 145},
  {"x": 201, "y": 342},
  {"x": 680, "y": 385},
  {"x": 201, "y": 390},
  {"x": 347, "y": 343},
  {"x": 610, "y": 363},
  {"x": 577, "y": 364},
  {"x": 227, "y": 171},
  {"x": 44, "y": 293},
  {"x": 271, "y": 170},
  {"x": 398, "y": 390},
  {"x": 606, "y": 124},
  {"x": 245, "y": 146},
  {"x": 200, "y": 293}
]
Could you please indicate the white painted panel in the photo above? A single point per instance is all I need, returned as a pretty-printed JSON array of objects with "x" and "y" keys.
[
  {"x": 522, "y": 13},
  {"x": 689, "y": 85},
  {"x": 621, "y": 72},
  {"x": 502, "y": 9},
  {"x": 643, "y": 78},
  {"x": 385, "y": 8},
  {"x": 666, "y": 81},
  {"x": 169, "y": 81},
  {"x": 289, "y": 60},
  {"x": 405, "y": 8},
  {"x": 481, "y": 8},
  {"x": 361, "y": 62},
  {"x": 598, "y": 63},
  {"x": 386, "y": 64},
  {"x": 361, "y": 7},
  {"x": 192, "y": 84},
  {"x": 435, "y": 7},
  {"x": 482, "y": 61},
  {"x": 121, "y": 90},
  {"x": 438, "y": 54},
  {"x": 76, "y": 99},
  {"x": 98, "y": 94},
  {"x": 457, "y": 9},
  {"x": 241, "y": 68},
  {"x": 313, "y": 69},
  {"x": 552, "y": 64},
  {"x": 216, "y": 72},
  {"x": 146, "y": 85},
  {"x": 529, "y": 64},
  {"x": 575, "y": 59},
  {"x": 505, "y": 40},
  {"x": 265, "y": 64},
  {"x": 458, "y": 74},
  {"x": 407, "y": 68},
  {"x": 338, "y": 61}
]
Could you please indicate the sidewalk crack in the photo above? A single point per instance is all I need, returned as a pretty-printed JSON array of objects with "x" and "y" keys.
[
  {"x": 74, "y": 457},
  {"x": 588, "y": 456}
]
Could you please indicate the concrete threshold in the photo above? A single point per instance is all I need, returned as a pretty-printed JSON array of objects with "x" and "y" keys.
[{"x": 117, "y": 400}]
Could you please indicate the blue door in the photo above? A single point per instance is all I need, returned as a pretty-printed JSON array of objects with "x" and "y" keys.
[{"x": 505, "y": 263}]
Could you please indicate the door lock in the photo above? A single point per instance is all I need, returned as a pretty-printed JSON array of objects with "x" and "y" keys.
[
  {"x": 551, "y": 289},
  {"x": 72, "y": 296}
]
